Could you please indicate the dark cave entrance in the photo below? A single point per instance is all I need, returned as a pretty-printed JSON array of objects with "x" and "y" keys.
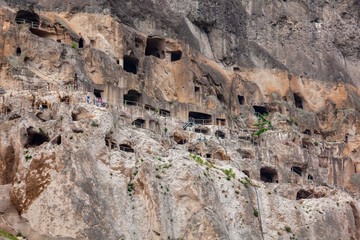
[
  {"x": 176, "y": 56},
  {"x": 303, "y": 194},
  {"x": 139, "y": 123},
  {"x": 307, "y": 132},
  {"x": 26, "y": 17},
  {"x": 241, "y": 100},
  {"x": 155, "y": 47},
  {"x": 97, "y": 93},
  {"x": 18, "y": 51},
  {"x": 268, "y": 175},
  {"x": 126, "y": 148},
  {"x": 200, "y": 118},
  {"x": 260, "y": 110},
  {"x": 130, "y": 64},
  {"x": 220, "y": 134},
  {"x": 298, "y": 101},
  {"x": 35, "y": 139},
  {"x": 81, "y": 43},
  {"x": 132, "y": 98},
  {"x": 164, "y": 113}
]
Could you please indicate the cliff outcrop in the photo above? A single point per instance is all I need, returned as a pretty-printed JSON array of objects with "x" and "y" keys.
[{"x": 168, "y": 120}]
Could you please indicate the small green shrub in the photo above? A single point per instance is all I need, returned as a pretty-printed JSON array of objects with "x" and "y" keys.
[
  {"x": 28, "y": 157},
  {"x": 74, "y": 45},
  {"x": 158, "y": 176},
  {"x": 287, "y": 228},
  {"x": 256, "y": 213},
  {"x": 130, "y": 187},
  {"x": 94, "y": 124},
  {"x": 237, "y": 191},
  {"x": 316, "y": 143},
  {"x": 40, "y": 129}
]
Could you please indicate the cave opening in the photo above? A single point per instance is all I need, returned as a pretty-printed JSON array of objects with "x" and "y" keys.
[
  {"x": 297, "y": 170},
  {"x": 35, "y": 138},
  {"x": 241, "y": 100},
  {"x": 197, "y": 89},
  {"x": 202, "y": 131},
  {"x": 130, "y": 64},
  {"x": 132, "y": 98},
  {"x": 200, "y": 118},
  {"x": 176, "y": 56},
  {"x": 139, "y": 123},
  {"x": 74, "y": 117},
  {"x": 303, "y": 194},
  {"x": 81, "y": 43},
  {"x": 310, "y": 177},
  {"x": 155, "y": 47},
  {"x": 220, "y": 122},
  {"x": 298, "y": 101},
  {"x": 97, "y": 93},
  {"x": 149, "y": 107},
  {"x": 164, "y": 113},
  {"x": 126, "y": 148},
  {"x": 268, "y": 174},
  {"x": 27, "y": 17},
  {"x": 307, "y": 132},
  {"x": 18, "y": 51},
  {"x": 220, "y": 134},
  {"x": 260, "y": 110}
]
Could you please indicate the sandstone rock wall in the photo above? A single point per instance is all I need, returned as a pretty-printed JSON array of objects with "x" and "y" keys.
[{"x": 134, "y": 167}]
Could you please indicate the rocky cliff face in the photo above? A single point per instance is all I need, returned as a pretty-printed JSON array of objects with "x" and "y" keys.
[{"x": 168, "y": 120}]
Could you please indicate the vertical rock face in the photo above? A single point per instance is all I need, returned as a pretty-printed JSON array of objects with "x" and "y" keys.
[{"x": 179, "y": 120}]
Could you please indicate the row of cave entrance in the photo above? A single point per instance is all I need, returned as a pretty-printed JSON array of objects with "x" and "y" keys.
[
  {"x": 267, "y": 174},
  {"x": 155, "y": 46}
]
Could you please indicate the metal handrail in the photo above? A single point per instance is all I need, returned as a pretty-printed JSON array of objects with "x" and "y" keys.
[{"x": 25, "y": 21}]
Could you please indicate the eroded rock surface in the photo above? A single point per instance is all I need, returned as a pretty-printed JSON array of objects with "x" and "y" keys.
[{"x": 179, "y": 120}]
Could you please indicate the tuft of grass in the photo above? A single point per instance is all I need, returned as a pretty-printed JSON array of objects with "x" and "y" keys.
[
  {"x": 74, "y": 45},
  {"x": 158, "y": 176},
  {"x": 237, "y": 191},
  {"x": 7, "y": 235},
  {"x": 316, "y": 143},
  {"x": 287, "y": 228},
  {"x": 256, "y": 213}
]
